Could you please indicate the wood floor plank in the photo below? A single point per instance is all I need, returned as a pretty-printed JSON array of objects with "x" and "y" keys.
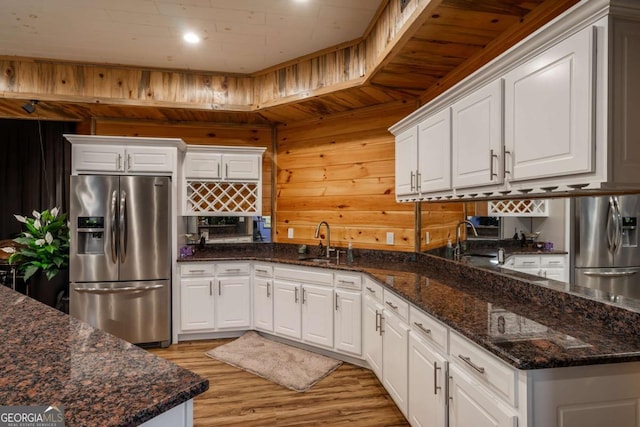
[{"x": 350, "y": 395}]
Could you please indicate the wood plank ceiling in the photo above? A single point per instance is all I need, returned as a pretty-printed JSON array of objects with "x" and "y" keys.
[{"x": 449, "y": 40}]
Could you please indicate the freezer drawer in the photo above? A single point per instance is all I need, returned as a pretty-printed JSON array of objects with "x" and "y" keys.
[
  {"x": 614, "y": 281},
  {"x": 138, "y": 312}
]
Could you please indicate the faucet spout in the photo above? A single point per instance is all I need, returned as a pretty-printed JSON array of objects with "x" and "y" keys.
[
  {"x": 475, "y": 233},
  {"x": 317, "y": 235}
]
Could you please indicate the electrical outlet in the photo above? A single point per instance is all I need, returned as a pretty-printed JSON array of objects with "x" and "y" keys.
[
  {"x": 390, "y": 237},
  {"x": 427, "y": 237},
  {"x": 290, "y": 233}
]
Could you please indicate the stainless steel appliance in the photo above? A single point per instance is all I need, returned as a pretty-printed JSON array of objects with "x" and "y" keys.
[
  {"x": 120, "y": 269},
  {"x": 605, "y": 252}
]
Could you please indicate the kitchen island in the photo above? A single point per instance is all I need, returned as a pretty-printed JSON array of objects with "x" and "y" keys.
[{"x": 50, "y": 358}]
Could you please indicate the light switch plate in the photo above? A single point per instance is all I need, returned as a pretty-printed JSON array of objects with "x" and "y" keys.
[
  {"x": 390, "y": 237},
  {"x": 427, "y": 237},
  {"x": 290, "y": 233}
]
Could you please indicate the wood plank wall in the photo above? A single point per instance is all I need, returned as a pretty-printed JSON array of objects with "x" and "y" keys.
[
  {"x": 440, "y": 220},
  {"x": 200, "y": 134},
  {"x": 341, "y": 169}
]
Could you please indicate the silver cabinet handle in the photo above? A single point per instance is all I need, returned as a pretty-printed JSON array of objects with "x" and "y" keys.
[
  {"x": 373, "y": 291},
  {"x": 259, "y": 270},
  {"x": 377, "y": 320},
  {"x": 468, "y": 361},
  {"x": 528, "y": 262},
  {"x": 210, "y": 287},
  {"x": 218, "y": 169},
  {"x": 219, "y": 288},
  {"x": 226, "y": 170},
  {"x": 413, "y": 186},
  {"x": 491, "y": 171},
  {"x": 337, "y": 302},
  {"x": 128, "y": 162},
  {"x": 304, "y": 295},
  {"x": 350, "y": 282},
  {"x": 436, "y": 387},
  {"x": 418, "y": 177},
  {"x": 296, "y": 295},
  {"x": 268, "y": 289},
  {"x": 504, "y": 161},
  {"x": 422, "y": 328},
  {"x": 395, "y": 307},
  {"x": 231, "y": 270},
  {"x": 119, "y": 162},
  {"x": 195, "y": 271}
]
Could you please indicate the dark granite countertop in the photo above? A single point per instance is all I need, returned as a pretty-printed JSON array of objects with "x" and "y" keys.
[
  {"x": 530, "y": 325},
  {"x": 50, "y": 358}
]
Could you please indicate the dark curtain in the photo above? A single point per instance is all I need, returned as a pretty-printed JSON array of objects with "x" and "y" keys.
[{"x": 35, "y": 165}]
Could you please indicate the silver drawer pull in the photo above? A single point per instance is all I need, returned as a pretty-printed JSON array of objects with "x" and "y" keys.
[
  {"x": 231, "y": 270},
  {"x": 373, "y": 291},
  {"x": 468, "y": 361},
  {"x": 350, "y": 282},
  {"x": 529, "y": 262},
  {"x": 395, "y": 307},
  {"x": 261, "y": 271},
  {"x": 195, "y": 271},
  {"x": 422, "y": 328},
  {"x": 436, "y": 387}
]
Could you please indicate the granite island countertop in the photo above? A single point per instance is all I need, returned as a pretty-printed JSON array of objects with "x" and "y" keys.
[
  {"x": 50, "y": 358},
  {"x": 528, "y": 325}
]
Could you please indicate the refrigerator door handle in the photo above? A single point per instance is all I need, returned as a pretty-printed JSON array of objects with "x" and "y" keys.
[
  {"x": 612, "y": 274},
  {"x": 612, "y": 226},
  {"x": 123, "y": 226},
  {"x": 618, "y": 215},
  {"x": 117, "y": 290},
  {"x": 114, "y": 201}
]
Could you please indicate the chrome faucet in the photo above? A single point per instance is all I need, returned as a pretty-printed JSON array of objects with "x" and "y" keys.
[
  {"x": 317, "y": 236},
  {"x": 457, "y": 250}
]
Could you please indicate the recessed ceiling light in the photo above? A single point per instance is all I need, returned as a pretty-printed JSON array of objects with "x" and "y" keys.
[{"x": 192, "y": 38}]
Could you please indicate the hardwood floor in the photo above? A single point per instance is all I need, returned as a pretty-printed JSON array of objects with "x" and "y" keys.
[{"x": 349, "y": 396}]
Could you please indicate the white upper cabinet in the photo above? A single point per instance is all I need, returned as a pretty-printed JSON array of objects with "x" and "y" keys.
[
  {"x": 554, "y": 114},
  {"x": 549, "y": 111},
  {"x": 203, "y": 165},
  {"x": 406, "y": 162},
  {"x": 217, "y": 165},
  {"x": 478, "y": 154},
  {"x": 434, "y": 152},
  {"x": 123, "y": 155}
]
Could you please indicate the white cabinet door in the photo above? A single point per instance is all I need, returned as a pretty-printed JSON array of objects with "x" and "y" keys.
[
  {"x": 203, "y": 165},
  {"x": 477, "y": 138},
  {"x": 472, "y": 405},
  {"x": 240, "y": 167},
  {"x": 406, "y": 162},
  {"x": 395, "y": 362},
  {"x": 196, "y": 303},
  {"x": 263, "y": 304},
  {"x": 549, "y": 111},
  {"x": 287, "y": 309},
  {"x": 427, "y": 400},
  {"x": 371, "y": 335},
  {"x": 317, "y": 315},
  {"x": 434, "y": 153},
  {"x": 348, "y": 322},
  {"x": 95, "y": 157},
  {"x": 233, "y": 302},
  {"x": 150, "y": 159}
]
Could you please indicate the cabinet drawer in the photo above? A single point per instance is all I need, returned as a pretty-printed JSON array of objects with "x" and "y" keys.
[
  {"x": 526, "y": 261},
  {"x": 306, "y": 275},
  {"x": 348, "y": 281},
  {"x": 263, "y": 270},
  {"x": 552, "y": 261},
  {"x": 394, "y": 303},
  {"x": 484, "y": 366},
  {"x": 429, "y": 328},
  {"x": 199, "y": 269},
  {"x": 373, "y": 289},
  {"x": 232, "y": 269}
]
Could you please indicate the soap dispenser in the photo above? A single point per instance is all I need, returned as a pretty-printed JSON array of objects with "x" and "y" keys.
[{"x": 349, "y": 253}]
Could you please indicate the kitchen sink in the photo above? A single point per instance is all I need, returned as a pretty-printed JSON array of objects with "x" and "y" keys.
[{"x": 319, "y": 260}]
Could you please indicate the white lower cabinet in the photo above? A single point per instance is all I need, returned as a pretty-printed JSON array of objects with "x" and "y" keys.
[
  {"x": 317, "y": 315},
  {"x": 215, "y": 296},
  {"x": 427, "y": 368},
  {"x": 470, "y": 404},
  {"x": 371, "y": 326},
  {"x": 287, "y": 310},
  {"x": 263, "y": 304},
  {"x": 348, "y": 322},
  {"x": 395, "y": 349}
]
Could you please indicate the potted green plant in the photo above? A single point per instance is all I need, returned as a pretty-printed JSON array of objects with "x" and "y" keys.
[{"x": 44, "y": 249}]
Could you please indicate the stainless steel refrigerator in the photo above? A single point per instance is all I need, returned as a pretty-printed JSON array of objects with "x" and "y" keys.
[
  {"x": 605, "y": 252},
  {"x": 120, "y": 256}
]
